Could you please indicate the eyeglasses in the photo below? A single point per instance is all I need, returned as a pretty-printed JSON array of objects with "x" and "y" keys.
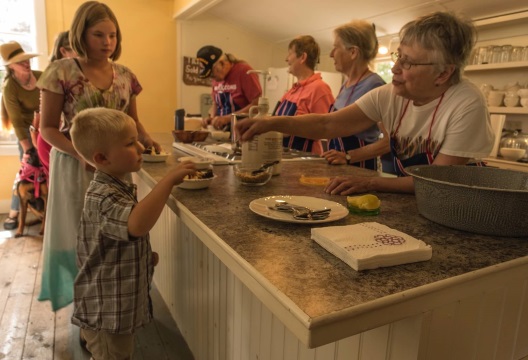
[{"x": 405, "y": 64}]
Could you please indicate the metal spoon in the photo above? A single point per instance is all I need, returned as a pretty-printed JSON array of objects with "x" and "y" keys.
[
  {"x": 264, "y": 167},
  {"x": 303, "y": 214}
]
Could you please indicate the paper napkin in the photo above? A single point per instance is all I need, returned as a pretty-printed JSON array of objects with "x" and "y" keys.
[{"x": 371, "y": 245}]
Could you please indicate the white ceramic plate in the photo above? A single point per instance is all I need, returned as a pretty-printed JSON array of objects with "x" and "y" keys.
[
  {"x": 260, "y": 207},
  {"x": 161, "y": 157},
  {"x": 196, "y": 184}
]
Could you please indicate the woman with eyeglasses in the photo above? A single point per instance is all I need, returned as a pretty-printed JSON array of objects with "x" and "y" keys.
[{"x": 433, "y": 116}]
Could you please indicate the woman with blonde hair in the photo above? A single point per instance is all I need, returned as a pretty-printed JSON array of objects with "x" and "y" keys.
[{"x": 355, "y": 46}]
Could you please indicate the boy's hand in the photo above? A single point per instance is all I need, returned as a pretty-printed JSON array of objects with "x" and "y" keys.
[{"x": 181, "y": 171}]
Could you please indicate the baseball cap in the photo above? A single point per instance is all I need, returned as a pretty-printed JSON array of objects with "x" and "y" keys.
[{"x": 207, "y": 56}]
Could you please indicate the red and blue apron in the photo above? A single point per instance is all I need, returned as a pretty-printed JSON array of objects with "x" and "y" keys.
[
  {"x": 352, "y": 142},
  {"x": 288, "y": 108}
]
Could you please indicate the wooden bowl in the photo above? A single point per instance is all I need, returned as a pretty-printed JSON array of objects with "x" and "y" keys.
[{"x": 189, "y": 136}]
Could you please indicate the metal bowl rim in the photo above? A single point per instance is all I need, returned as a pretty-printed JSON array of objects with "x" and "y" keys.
[{"x": 410, "y": 168}]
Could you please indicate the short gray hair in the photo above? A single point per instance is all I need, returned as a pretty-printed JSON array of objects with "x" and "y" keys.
[
  {"x": 361, "y": 34},
  {"x": 450, "y": 38}
]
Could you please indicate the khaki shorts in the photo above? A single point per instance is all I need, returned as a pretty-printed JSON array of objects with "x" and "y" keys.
[{"x": 106, "y": 346}]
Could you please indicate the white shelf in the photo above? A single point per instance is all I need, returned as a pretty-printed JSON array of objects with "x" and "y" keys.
[
  {"x": 508, "y": 110},
  {"x": 502, "y": 19},
  {"x": 506, "y": 164},
  {"x": 499, "y": 66}
]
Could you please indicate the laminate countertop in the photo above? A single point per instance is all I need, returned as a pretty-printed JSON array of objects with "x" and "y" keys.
[{"x": 317, "y": 282}]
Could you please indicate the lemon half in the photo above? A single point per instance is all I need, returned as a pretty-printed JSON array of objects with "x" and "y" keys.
[{"x": 364, "y": 204}]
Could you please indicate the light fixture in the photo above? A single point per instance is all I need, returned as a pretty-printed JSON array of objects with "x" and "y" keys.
[{"x": 383, "y": 50}]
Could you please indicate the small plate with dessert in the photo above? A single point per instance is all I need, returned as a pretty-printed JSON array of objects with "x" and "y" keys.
[{"x": 150, "y": 155}]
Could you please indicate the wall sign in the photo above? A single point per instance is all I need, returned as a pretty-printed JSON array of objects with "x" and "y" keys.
[{"x": 191, "y": 69}]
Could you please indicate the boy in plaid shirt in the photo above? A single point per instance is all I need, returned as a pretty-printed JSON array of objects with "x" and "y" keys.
[{"x": 115, "y": 260}]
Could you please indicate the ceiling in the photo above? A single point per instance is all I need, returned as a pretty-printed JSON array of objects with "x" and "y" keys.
[{"x": 279, "y": 21}]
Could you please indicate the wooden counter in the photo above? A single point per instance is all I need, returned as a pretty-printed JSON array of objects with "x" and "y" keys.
[{"x": 241, "y": 286}]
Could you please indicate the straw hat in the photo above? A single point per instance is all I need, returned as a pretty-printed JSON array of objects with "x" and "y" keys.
[{"x": 12, "y": 53}]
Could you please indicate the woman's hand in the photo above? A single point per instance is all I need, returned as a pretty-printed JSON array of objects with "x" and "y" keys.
[
  {"x": 346, "y": 185},
  {"x": 250, "y": 127},
  {"x": 206, "y": 122},
  {"x": 335, "y": 157},
  {"x": 149, "y": 143},
  {"x": 219, "y": 122}
]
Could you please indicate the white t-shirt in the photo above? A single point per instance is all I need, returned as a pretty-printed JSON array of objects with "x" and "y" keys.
[{"x": 461, "y": 126}]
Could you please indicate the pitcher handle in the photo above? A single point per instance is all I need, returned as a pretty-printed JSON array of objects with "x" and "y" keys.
[{"x": 254, "y": 110}]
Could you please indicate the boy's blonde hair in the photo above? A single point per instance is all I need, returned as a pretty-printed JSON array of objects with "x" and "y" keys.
[{"x": 94, "y": 130}]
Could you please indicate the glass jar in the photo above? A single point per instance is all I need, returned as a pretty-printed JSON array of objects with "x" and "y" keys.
[
  {"x": 483, "y": 56},
  {"x": 525, "y": 54},
  {"x": 506, "y": 53},
  {"x": 474, "y": 57},
  {"x": 517, "y": 53},
  {"x": 496, "y": 52}
]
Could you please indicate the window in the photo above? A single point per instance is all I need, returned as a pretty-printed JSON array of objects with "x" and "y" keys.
[
  {"x": 23, "y": 21},
  {"x": 383, "y": 68}
]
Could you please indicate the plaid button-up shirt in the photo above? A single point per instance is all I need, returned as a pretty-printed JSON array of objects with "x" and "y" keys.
[{"x": 111, "y": 291}]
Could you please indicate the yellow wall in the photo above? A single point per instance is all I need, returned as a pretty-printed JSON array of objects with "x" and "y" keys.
[
  {"x": 149, "y": 50},
  {"x": 149, "y": 38},
  {"x": 182, "y": 4},
  {"x": 10, "y": 166}
]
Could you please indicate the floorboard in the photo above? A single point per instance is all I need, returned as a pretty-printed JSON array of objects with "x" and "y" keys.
[{"x": 30, "y": 330}]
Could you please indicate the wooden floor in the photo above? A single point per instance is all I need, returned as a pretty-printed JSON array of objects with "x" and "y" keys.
[{"x": 30, "y": 330}]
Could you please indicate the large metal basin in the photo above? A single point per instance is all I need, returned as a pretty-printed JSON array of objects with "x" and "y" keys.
[{"x": 481, "y": 200}]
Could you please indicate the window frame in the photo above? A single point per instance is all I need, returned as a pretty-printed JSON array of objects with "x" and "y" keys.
[{"x": 37, "y": 37}]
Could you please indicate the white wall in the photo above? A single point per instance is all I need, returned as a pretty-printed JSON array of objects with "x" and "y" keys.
[
  {"x": 209, "y": 30},
  {"x": 280, "y": 51}
]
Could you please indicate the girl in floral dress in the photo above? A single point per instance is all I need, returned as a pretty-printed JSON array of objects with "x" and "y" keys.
[{"x": 69, "y": 86}]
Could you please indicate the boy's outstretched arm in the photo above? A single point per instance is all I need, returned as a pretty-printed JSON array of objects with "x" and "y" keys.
[{"x": 146, "y": 212}]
